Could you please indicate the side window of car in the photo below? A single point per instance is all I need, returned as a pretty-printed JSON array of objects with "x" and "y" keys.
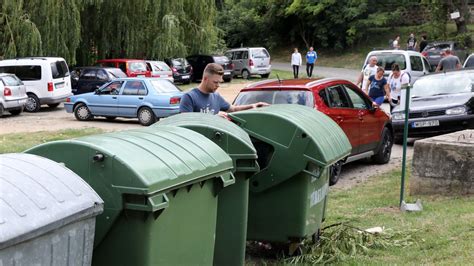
[
  {"x": 238, "y": 55},
  {"x": 229, "y": 55},
  {"x": 358, "y": 101},
  {"x": 113, "y": 88},
  {"x": 427, "y": 65},
  {"x": 134, "y": 87},
  {"x": 416, "y": 64},
  {"x": 88, "y": 74},
  {"x": 324, "y": 96},
  {"x": 102, "y": 75},
  {"x": 123, "y": 67},
  {"x": 337, "y": 97},
  {"x": 245, "y": 55}
]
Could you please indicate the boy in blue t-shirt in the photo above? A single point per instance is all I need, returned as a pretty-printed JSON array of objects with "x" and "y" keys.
[
  {"x": 311, "y": 57},
  {"x": 205, "y": 99}
]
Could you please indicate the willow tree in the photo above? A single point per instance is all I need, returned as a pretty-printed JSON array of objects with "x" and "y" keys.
[{"x": 18, "y": 34}]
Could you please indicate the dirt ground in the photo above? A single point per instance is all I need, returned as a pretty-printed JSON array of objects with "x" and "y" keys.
[{"x": 56, "y": 119}]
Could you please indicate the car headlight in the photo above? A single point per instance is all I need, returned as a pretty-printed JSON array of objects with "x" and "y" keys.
[
  {"x": 398, "y": 116},
  {"x": 456, "y": 110}
]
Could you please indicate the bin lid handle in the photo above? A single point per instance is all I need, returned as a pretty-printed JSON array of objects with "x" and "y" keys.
[
  {"x": 153, "y": 204},
  {"x": 227, "y": 179}
]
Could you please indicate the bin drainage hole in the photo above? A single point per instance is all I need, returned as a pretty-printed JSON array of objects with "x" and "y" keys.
[
  {"x": 304, "y": 135},
  {"x": 255, "y": 183}
]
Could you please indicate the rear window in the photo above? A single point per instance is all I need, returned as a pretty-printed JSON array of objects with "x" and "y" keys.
[
  {"x": 163, "y": 66},
  {"x": 276, "y": 97},
  {"x": 439, "y": 46},
  {"x": 221, "y": 59},
  {"x": 137, "y": 66},
  {"x": 179, "y": 62},
  {"x": 259, "y": 53},
  {"x": 164, "y": 86},
  {"x": 59, "y": 69},
  {"x": 25, "y": 73},
  {"x": 11, "y": 81},
  {"x": 116, "y": 73},
  {"x": 387, "y": 60}
]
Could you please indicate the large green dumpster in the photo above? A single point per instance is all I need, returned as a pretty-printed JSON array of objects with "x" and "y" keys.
[
  {"x": 295, "y": 146},
  {"x": 159, "y": 189},
  {"x": 231, "y": 228}
]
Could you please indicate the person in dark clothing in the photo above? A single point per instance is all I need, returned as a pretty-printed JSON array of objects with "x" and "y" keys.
[
  {"x": 411, "y": 42},
  {"x": 423, "y": 43}
]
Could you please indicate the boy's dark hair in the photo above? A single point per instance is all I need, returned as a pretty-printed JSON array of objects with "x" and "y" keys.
[
  {"x": 213, "y": 69},
  {"x": 395, "y": 67}
]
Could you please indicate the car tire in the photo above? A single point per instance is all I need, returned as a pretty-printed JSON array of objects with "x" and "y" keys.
[
  {"x": 265, "y": 76},
  {"x": 82, "y": 112},
  {"x": 335, "y": 172},
  {"x": 245, "y": 74},
  {"x": 15, "y": 111},
  {"x": 53, "y": 105},
  {"x": 146, "y": 116},
  {"x": 1, "y": 110},
  {"x": 385, "y": 149},
  {"x": 228, "y": 80},
  {"x": 33, "y": 104}
]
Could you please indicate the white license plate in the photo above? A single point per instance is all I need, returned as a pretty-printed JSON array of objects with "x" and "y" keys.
[
  {"x": 227, "y": 73},
  {"x": 59, "y": 85},
  {"x": 185, "y": 77},
  {"x": 431, "y": 123},
  {"x": 141, "y": 76},
  {"x": 435, "y": 56}
]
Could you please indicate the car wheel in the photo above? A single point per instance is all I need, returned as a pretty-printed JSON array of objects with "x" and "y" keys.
[
  {"x": 383, "y": 154},
  {"x": 146, "y": 116},
  {"x": 265, "y": 76},
  {"x": 1, "y": 110},
  {"x": 228, "y": 80},
  {"x": 32, "y": 104},
  {"x": 335, "y": 172},
  {"x": 82, "y": 112},
  {"x": 15, "y": 112},
  {"x": 245, "y": 74},
  {"x": 53, "y": 105}
]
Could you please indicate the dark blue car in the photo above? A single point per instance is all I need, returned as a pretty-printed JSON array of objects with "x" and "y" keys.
[{"x": 147, "y": 99}]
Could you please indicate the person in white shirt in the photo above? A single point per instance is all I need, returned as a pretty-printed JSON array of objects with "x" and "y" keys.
[
  {"x": 369, "y": 70},
  {"x": 396, "y": 80},
  {"x": 396, "y": 43},
  {"x": 296, "y": 62}
]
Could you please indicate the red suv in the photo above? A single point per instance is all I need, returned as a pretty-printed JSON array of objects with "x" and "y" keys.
[
  {"x": 368, "y": 128},
  {"x": 131, "y": 67}
]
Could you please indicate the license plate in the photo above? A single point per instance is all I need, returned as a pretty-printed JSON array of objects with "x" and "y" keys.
[
  {"x": 185, "y": 77},
  {"x": 59, "y": 85},
  {"x": 435, "y": 56},
  {"x": 431, "y": 123},
  {"x": 227, "y": 73},
  {"x": 141, "y": 76}
]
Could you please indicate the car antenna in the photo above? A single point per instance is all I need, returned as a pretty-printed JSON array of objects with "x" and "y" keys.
[{"x": 278, "y": 77}]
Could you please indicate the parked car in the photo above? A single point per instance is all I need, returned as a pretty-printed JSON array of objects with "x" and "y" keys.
[
  {"x": 368, "y": 128},
  {"x": 199, "y": 62},
  {"x": 46, "y": 79},
  {"x": 182, "y": 70},
  {"x": 88, "y": 79},
  {"x": 147, "y": 99},
  {"x": 12, "y": 94},
  {"x": 131, "y": 67},
  {"x": 250, "y": 62},
  {"x": 440, "y": 103},
  {"x": 411, "y": 62},
  {"x": 469, "y": 63},
  {"x": 160, "y": 69},
  {"x": 434, "y": 51}
]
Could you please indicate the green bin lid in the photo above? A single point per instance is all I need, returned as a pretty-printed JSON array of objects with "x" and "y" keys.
[
  {"x": 298, "y": 135},
  {"x": 230, "y": 137}
]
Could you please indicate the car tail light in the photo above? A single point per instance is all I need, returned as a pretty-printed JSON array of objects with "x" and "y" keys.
[
  {"x": 174, "y": 70},
  {"x": 170, "y": 76},
  {"x": 175, "y": 100},
  {"x": 250, "y": 62},
  {"x": 50, "y": 86},
  {"x": 231, "y": 66},
  {"x": 7, "y": 92},
  {"x": 424, "y": 53},
  {"x": 68, "y": 100}
]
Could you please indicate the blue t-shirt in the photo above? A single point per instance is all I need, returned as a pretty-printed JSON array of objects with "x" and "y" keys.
[
  {"x": 311, "y": 57},
  {"x": 196, "y": 101},
  {"x": 376, "y": 88}
]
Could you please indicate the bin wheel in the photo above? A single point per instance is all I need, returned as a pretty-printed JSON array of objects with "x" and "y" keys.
[
  {"x": 316, "y": 237},
  {"x": 335, "y": 172},
  {"x": 295, "y": 249}
]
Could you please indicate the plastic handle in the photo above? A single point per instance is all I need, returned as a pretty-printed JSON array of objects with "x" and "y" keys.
[
  {"x": 153, "y": 204},
  {"x": 227, "y": 179}
]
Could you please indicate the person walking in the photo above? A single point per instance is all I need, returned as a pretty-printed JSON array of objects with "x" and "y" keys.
[
  {"x": 448, "y": 62},
  {"x": 378, "y": 87},
  {"x": 369, "y": 70},
  {"x": 423, "y": 42},
  {"x": 296, "y": 61},
  {"x": 396, "y": 80},
  {"x": 205, "y": 99},
  {"x": 311, "y": 57},
  {"x": 411, "y": 42},
  {"x": 396, "y": 43}
]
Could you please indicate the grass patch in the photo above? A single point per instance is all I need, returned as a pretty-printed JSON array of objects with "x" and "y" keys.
[
  {"x": 19, "y": 142},
  {"x": 443, "y": 233}
]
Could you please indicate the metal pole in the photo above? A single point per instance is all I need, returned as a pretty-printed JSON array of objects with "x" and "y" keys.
[{"x": 405, "y": 137}]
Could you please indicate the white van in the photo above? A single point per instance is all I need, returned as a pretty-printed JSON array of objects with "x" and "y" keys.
[
  {"x": 250, "y": 61},
  {"x": 46, "y": 79},
  {"x": 409, "y": 61}
]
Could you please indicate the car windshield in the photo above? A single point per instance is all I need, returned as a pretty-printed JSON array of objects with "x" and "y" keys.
[
  {"x": 117, "y": 73},
  {"x": 221, "y": 59},
  {"x": 260, "y": 53},
  {"x": 470, "y": 62},
  {"x": 11, "y": 81},
  {"x": 386, "y": 60},
  {"x": 460, "y": 82},
  {"x": 164, "y": 86},
  {"x": 137, "y": 66},
  {"x": 300, "y": 97}
]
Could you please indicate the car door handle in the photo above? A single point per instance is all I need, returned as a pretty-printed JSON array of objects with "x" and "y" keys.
[
  {"x": 140, "y": 98},
  {"x": 114, "y": 97},
  {"x": 339, "y": 119}
]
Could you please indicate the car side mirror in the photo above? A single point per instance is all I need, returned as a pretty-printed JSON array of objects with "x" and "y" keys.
[
  {"x": 97, "y": 91},
  {"x": 374, "y": 108}
]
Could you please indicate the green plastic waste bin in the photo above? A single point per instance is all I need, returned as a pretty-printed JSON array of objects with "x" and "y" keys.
[
  {"x": 159, "y": 189},
  {"x": 231, "y": 228},
  {"x": 295, "y": 146}
]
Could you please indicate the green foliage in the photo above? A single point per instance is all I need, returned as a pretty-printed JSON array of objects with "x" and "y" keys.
[{"x": 436, "y": 27}]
